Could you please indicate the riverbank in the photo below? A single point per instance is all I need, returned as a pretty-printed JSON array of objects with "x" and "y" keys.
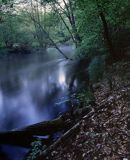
[
  {"x": 48, "y": 54},
  {"x": 104, "y": 132}
]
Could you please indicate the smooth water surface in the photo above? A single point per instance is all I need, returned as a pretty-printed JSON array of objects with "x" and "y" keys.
[{"x": 31, "y": 86}]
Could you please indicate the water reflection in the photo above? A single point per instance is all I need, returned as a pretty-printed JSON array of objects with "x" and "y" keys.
[
  {"x": 29, "y": 89},
  {"x": 62, "y": 78},
  {"x": 1, "y": 102}
]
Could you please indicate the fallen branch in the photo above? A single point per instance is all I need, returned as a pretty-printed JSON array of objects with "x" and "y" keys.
[
  {"x": 74, "y": 129},
  {"x": 69, "y": 133},
  {"x": 24, "y": 136}
]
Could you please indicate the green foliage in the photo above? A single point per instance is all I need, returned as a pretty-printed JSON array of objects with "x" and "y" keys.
[
  {"x": 96, "y": 68},
  {"x": 89, "y": 29},
  {"x": 5, "y": 2},
  {"x": 28, "y": 28},
  {"x": 85, "y": 97},
  {"x": 13, "y": 30},
  {"x": 90, "y": 49},
  {"x": 90, "y": 25},
  {"x": 25, "y": 27},
  {"x": 36, "y": 149}
]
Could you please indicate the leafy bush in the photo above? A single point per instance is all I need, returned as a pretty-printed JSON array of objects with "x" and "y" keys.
[
  {"x": 96, "y": 68},
  {"x": 37, "y": 148},
  {"x": 85, "y": 97}
]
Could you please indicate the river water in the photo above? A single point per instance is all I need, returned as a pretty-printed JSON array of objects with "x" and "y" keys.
[{"x": 31, "y": 87}]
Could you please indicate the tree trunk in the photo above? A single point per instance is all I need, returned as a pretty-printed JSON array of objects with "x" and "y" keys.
[
  {"x": 69, "y": 12},
  {"x": 73, "y": 24},
  {"x": 106, "y": 34},
  {"x": 48, "y": 36}
]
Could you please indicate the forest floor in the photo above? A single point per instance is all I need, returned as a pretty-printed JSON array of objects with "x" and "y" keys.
[{"x": 104, "y": 134}]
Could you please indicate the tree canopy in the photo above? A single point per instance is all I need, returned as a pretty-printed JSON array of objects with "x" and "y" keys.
[{"x": 96, "y": 27}]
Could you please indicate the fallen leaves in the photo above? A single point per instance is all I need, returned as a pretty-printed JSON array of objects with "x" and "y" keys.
[{"x": 106, "y": 134}]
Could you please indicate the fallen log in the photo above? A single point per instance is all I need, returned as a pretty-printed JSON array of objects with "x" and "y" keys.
[
  {"x": 19, "y": 140},
  {"x": 65, "y": 136},
  {"x": 24, "y": 136},
  {"x": 74, "y": 129}
]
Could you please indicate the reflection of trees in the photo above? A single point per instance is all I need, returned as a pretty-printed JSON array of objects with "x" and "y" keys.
[
  {"x": 48, "y": 97},
  {"x": 11, "y": 120},
  {"x": 78, "y": 72},
  {"x": 11, "y": 86}
]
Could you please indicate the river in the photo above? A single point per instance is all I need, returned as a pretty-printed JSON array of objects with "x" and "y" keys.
[{"x": 31, "y": 86}]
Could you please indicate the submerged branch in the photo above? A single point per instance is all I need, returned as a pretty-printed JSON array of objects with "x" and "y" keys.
[
  {"x": 73, "y": 131},
  {"x": 24, "y": 136}
]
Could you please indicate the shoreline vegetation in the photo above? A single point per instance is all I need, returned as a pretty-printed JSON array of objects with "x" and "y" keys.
[
  {"x": 97, "y": 123},
  {"x": 108, "y": 99}
]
